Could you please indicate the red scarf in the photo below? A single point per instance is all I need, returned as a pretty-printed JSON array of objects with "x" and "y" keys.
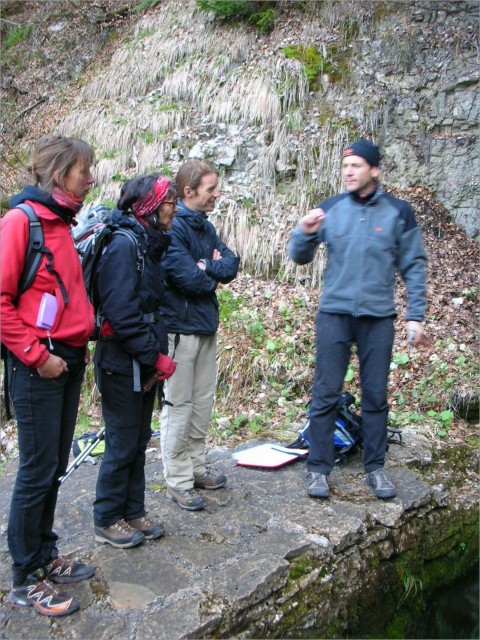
[{"x": 66, "y": 200}]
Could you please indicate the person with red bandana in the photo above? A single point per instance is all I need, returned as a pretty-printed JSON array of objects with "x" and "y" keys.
[
  {"x": 369, "y": 236},
  {"x": 131, "y": 355},
  {"x": 45, "y": 364}
]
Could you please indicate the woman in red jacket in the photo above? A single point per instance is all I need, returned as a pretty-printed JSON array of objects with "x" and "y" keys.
[{"x": 46, "y": 363}]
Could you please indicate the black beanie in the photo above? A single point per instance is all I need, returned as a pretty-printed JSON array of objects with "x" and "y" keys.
[{"x": 365, "y": 150}]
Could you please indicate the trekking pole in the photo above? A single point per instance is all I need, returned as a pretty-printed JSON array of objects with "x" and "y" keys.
[{"x": 83, "y": 455}]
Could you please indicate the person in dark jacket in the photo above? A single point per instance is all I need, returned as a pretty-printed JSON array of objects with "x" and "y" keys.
[
  {"x": 131, "y": 355},
  {"x": 195, "y": 263},
  {"x": 369, "y": 235},
  {"x": 46, "y": 364}
]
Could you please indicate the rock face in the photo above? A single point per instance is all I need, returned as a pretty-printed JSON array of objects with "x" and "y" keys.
[
  {"x": 430, "y": 133},
  {"x": 263, "y": 560},
  {"x": 406, "y": 77}
]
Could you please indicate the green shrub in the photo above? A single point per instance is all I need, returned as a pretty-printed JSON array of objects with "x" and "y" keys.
[
  {"x": 311, "y": 59},
  {"x": 16, "y": 35},
  {"x": 260, "y": 14},
  {"x": 146, "y": 136},
  {"x": 226, "y": 10},
  {"x": 12, "y": 55},
  {"x": 264, "y": 20},
  {"x": 165, "y": 170},
  {"x": 315, "y": 64},
  {"x": 145, "y": 5}
]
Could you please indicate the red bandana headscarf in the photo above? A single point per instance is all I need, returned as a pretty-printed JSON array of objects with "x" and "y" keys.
[{"x": 153, "y": 199}]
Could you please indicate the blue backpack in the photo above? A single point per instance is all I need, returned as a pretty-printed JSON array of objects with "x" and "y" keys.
[{"x": 348, "y": 433}]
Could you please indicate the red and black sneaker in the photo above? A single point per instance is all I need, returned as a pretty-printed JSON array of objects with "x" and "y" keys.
[
  {"x": 62, "y": 571},
  {"x": 44, "y": 599}
]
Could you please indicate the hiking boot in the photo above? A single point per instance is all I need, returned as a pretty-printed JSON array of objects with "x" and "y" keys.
[
  {"x": 120, "y": 535},
  {"x": 43, "y": 597},
  {"x": 383, "y": 487},
  {"x": 150, "y": 529},
  {"x": 186, "y": 498},
  {"x": 317, "y": 485},
  {"x": 62, "y": 571},
  {"x": 209, "y": 480}
]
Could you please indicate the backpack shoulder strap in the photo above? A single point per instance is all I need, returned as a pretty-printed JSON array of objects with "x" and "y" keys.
[
  {"x": 33, "y": 254},
  {"x": 133, "y": 238},
  {"x": 33, "y": 257}
]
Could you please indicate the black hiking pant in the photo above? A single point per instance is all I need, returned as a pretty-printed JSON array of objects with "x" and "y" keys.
[
  {"x": 120, "y": 492},
  {"x": 374, "y": 340},
  {"x": 46, "y": 413}
]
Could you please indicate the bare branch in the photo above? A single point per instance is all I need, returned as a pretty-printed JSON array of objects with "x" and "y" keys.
[{"x": 30, "y": 108}]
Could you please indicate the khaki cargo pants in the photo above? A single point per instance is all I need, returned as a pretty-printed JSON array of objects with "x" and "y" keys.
[{"x": 191, "y": 392}]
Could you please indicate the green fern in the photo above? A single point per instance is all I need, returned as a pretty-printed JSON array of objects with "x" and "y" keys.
[{"x": 145, "y": 5}]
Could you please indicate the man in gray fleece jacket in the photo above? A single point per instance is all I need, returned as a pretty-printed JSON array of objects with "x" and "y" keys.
[{"x": 369, "y": 236}]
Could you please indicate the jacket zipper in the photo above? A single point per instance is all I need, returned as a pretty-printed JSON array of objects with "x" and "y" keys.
[{"x": 363, "y": 216}]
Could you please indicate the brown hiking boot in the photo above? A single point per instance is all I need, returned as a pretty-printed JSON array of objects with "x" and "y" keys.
[
  {"x": 120, "y": 535},
  {"x": 187, "y": 499},
  {"x": 209, "y": 480},
  {"x": 150, "y": 529}
]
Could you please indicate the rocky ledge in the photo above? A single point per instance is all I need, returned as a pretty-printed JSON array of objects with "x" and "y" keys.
[{"x": 263, "y": 559}]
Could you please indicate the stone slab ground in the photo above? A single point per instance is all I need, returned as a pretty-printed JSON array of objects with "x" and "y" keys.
[{"x": 214, "y": 566}]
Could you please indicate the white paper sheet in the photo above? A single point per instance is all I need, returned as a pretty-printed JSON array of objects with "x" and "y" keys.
[{"x": 268, "y": 456}]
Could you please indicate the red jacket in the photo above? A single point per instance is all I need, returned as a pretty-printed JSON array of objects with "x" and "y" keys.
[{"x": 74, "y": 322}]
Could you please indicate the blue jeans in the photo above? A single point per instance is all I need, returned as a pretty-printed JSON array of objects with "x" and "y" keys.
[
  {"x": 46, "y": 413},
  {"x": 374, "y": 340},
  {"x": 127, "y": 414}
]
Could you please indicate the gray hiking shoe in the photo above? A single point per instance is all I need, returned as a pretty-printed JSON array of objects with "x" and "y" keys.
[
  {"x": 120, "y": 535},
  {"x": 150, "y": 528},
  {"x": 43, "y": 598},
  {"x": 209, "y": 480},
  {"x": 187, "y": 499},
  {"x": 317, "y": 485},
  {"x": 62, "y": 571},
  {"x": 383, "y": 487}
]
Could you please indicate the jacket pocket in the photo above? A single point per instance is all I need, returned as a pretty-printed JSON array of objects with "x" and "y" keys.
[{"x": 61, "y": 308}]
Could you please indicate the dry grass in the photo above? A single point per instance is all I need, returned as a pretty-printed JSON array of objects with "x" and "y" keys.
[
  {"x": 260, "y": 235},
  {"x": 179, "y": 70},
  {"x": 261, "y": 95}
]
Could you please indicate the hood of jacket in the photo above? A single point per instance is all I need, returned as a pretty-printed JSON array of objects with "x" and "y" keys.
[
  {"x": 196, "y": 219},
  {"x": 156, "y": 242}
]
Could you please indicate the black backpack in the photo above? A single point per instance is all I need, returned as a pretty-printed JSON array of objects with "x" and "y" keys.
[
  {"x": 91, "y": 236},
  {"x": 33, "y": 255}
]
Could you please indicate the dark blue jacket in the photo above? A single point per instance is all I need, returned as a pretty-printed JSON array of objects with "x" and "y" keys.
[
  {"x": 128, "y": 294},
  {"x": 367, "y": 241},
  {"x": 190, "y": 304}
]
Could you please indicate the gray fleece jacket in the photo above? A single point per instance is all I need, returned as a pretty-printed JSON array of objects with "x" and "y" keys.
[{"x": 368, "y": 240}]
